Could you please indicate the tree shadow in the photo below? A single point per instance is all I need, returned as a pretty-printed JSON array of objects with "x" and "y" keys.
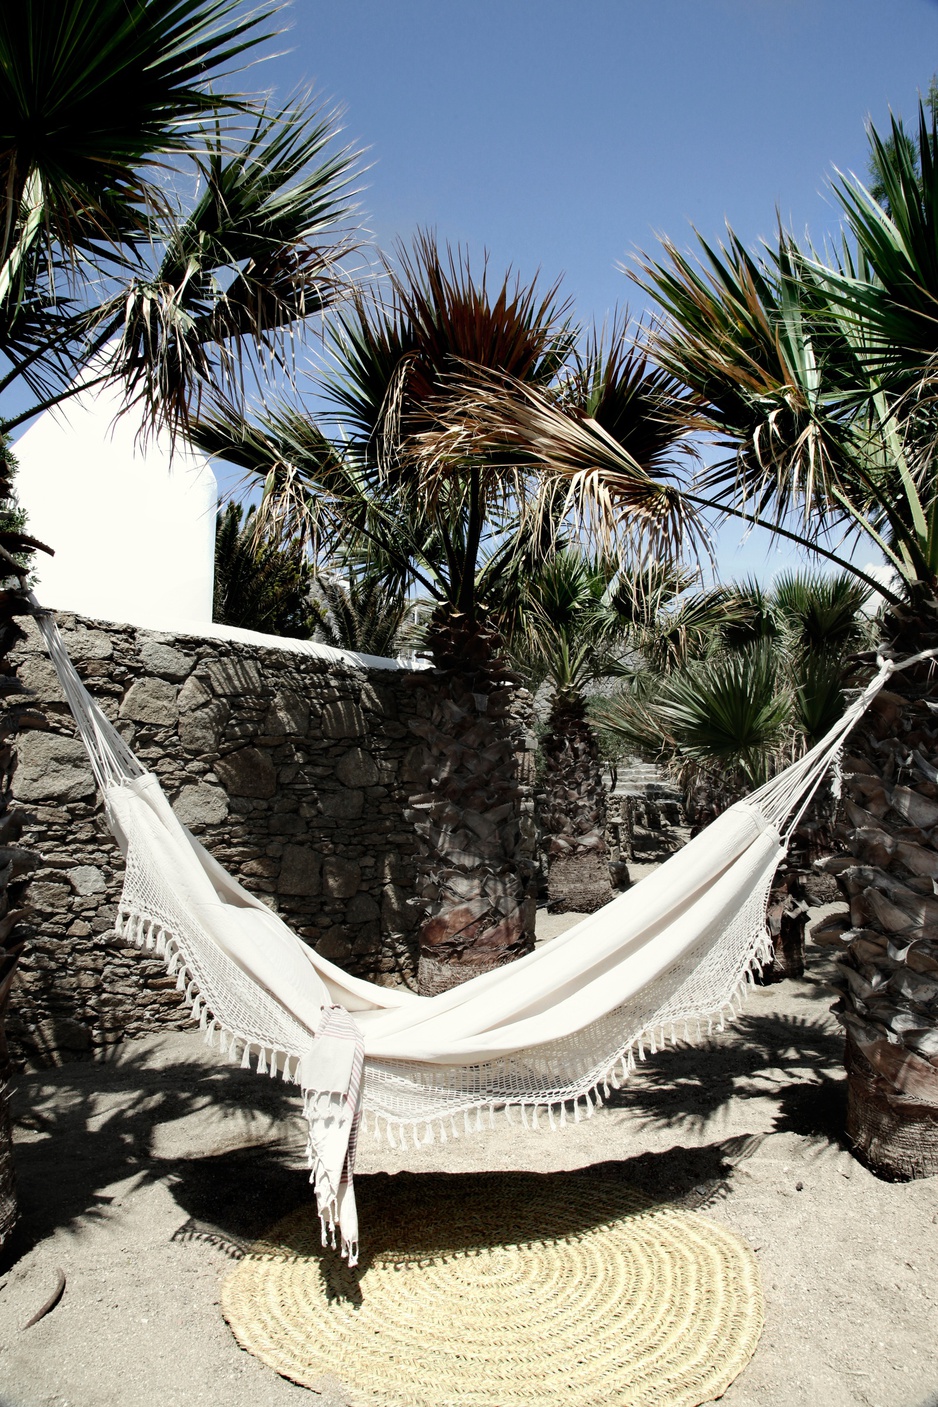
[
  {"x": 97, "y": 1125},
  {"x": 794, "y": 1061}
]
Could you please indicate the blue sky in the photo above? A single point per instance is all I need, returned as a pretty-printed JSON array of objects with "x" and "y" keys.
[{"x": 564, "y": 135}]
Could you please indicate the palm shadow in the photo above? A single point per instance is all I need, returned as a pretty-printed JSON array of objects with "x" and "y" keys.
[
  {"x": 85, "y": 1127},
  {"x": 794, "y": 1061}
]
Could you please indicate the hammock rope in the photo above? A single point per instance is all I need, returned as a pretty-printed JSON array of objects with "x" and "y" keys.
[{"x": 541, "y": 1038}]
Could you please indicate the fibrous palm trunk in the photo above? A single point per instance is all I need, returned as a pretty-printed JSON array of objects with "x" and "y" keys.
[
  {"x": 472, "y": 814},
  {"x": 15, "y": 863},
  {"x": 888, "y": 979},
  {"x": 574, "y": 816}
]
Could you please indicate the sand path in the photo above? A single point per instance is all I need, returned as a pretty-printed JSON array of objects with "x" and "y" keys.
[{"x": 142, "y": 1178}]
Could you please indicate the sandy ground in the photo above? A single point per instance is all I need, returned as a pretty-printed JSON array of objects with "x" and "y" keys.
[{"x": 144, "y": 1178}]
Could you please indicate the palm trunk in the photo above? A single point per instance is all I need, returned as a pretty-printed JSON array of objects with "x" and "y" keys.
[
  {"x": 786, "y": 918},
  {"x": 14, "y": 865},
  {"x": 889, "y": 964},
  {"x": 574, "y": 815},
  {"x": 472, "y": 814}
]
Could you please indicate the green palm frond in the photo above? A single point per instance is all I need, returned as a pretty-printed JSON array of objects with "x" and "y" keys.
[
  {"x": 823, "y": 613},
  {"x": 728, "y": 713},
  {"x": 360, "y": 613},
  {"x": 818, "y": 695},
  {"x": 262, "y": 581},
  {"x": 256, "y": 256},
  {"x": 93, "y": 95}
]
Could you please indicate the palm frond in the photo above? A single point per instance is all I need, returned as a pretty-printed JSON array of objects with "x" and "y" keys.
[
  {"x": 257, "y": 256},
  {"x": 95, "y": 93}
]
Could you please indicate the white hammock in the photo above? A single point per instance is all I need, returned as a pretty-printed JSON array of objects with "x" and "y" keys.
[{"x": 667, "y": 960}]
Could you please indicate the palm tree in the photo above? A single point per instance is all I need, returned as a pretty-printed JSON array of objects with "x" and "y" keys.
[
  {"x": 818, "y": 375},
  {"x": 565, "y": 632},
  {"x": 355, "y": 608},
  {"x": 765, "y": 680},
  {"x": 104, "y": 105},
  {"x": 814, "y": 377},
  {"x": 459, "y": 522},
  {"x": 261, "y": 582}
]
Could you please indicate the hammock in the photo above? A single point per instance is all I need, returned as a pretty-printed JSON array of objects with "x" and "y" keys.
[{"x": 668, "y": 959}]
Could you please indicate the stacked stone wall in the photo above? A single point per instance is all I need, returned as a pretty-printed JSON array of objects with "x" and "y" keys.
[{"x": 294, "y": 771}]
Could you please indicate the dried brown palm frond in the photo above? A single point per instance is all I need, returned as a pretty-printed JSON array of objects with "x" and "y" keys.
[{"x": 605, "y": 491}]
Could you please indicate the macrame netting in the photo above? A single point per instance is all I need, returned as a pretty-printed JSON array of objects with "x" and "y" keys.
[{"x": 566, "y": 1031}]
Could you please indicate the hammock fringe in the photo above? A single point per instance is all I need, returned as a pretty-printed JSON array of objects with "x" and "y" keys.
[{"x": 285, "y": 1064}]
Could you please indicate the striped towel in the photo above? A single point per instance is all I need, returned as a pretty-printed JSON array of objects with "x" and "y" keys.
[{"x": 331, "y": 1076}]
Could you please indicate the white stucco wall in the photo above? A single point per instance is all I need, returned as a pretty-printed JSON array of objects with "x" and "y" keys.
[{"x": 133, "y": 531}]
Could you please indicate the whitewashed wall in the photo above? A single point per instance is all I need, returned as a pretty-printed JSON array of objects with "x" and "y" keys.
[{"x": 133, "y": 531}]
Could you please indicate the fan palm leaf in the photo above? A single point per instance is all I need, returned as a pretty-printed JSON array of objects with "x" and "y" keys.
[{"x": 93, "y": 95}]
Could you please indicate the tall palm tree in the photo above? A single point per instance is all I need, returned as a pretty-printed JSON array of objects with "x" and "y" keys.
[
  {"x": 459, "y": 522},
  {"x": 104, "y": 104},
  {"x": 818, "y": 375},
  {"x": 565, "y": 633},
  {"x": 814, "y": 377}
]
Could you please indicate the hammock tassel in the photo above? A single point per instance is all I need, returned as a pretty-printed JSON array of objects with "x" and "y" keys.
[
  {"x": 427, "y": 1134},
  {"x": 273, "y": 1064},
  {"x": 246, "y": 1057},
  {"x": 262, "y": 1061}
]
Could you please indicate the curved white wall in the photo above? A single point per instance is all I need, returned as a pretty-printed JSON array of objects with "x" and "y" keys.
[{"x": 133, "y": 531}]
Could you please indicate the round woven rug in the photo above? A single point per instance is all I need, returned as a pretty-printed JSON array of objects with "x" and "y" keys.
[{"x": 495, "y": 1289}]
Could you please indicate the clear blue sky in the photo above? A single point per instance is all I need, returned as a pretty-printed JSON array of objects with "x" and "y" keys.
[{"x": 563, "y": 135}]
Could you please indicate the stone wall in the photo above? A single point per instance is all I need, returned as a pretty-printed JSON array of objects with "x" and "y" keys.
[{"x": 296, "y": 772}]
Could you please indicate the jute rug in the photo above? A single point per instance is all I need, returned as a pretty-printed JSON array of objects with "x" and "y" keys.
[{"x": 496, "y": 1289}]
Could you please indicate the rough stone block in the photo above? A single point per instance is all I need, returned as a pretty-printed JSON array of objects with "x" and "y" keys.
[
  {"x": 88, "y": 644},
  {"x": 150, "y": 701},
  {"x": 193, "y": 694},
  {"x": 300, "y": 871},
  {"x": 53, "y": 768},
  {"x": 235, "y": 676},
  {"x": 201, "y": 805},
  {"x": 362, "y": 909},
  {"x": 340, "y": 878},
  {"x": 159, "y": 658},
  {"x": 247, "y": 772},
  {"x": 396, "y": 915},
  {"x": 357, "y": 768},
  {"x": 87, "y": 880},
  {"x": 334, "y": 946},
  {"x": 342, "y": 719},
  {"x": 342, "y": 805},
  {"x": 38, "y": 674},
  {"x": 288, "y": 714},
  {"x": 200, "y": 729}
]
